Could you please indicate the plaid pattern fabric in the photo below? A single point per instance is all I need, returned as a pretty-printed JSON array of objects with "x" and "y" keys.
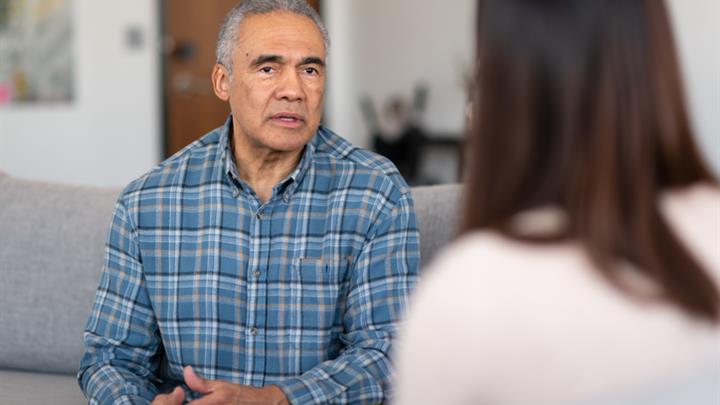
[{"x": 303, "y": 291}]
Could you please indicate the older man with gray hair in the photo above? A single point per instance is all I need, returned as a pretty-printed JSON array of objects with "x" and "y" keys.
[{"x": 269, "y": 261}]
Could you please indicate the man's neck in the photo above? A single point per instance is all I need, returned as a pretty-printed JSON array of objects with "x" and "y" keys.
[{"x": 263, "y": 169}]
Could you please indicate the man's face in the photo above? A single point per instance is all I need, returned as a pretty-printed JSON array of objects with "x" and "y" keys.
[{"x": 278, "y": 81}]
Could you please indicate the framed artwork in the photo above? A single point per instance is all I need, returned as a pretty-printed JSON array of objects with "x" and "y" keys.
[{"x": 36, "y": 52}]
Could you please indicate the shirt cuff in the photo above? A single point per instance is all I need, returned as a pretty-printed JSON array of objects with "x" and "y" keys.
[{"x": 299, "y": 392}]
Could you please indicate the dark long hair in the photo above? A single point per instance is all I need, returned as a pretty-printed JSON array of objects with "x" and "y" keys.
[{"x": 579, "y": 105}]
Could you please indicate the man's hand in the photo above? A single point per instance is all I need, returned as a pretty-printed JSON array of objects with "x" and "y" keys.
[
  {"x": 221, "y": 392},
  {"x": 176, "y": 397}
]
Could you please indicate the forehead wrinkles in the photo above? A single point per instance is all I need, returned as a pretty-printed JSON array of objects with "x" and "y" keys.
[{"x": 280, "y": 33}]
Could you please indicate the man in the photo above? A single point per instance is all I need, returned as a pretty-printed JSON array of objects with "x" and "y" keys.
[{"x": 267, "y": 262}]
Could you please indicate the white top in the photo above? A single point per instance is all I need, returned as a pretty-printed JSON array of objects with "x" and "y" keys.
[{"x": 497, "y": 321}]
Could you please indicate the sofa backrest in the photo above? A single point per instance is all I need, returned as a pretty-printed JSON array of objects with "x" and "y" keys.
[
  {"x": 52, "y": 239},
  {"x": 437, "y": 209}
]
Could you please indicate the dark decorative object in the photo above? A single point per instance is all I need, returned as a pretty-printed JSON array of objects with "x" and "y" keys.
[{"x": 403, "y": 138}]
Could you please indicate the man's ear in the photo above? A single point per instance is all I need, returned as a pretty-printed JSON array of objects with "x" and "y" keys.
[{"x": 221, "y": 82}]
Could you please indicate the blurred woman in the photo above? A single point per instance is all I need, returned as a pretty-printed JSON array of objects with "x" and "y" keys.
[{"x": 589, "y": 263}]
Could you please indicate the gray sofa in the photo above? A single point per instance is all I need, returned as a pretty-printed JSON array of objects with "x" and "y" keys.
[{"x": 51, "y": 251}]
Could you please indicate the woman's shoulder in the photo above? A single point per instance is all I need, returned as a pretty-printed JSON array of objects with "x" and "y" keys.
[
  {"x": 491, "y": 256},
  {"x": 699, "y": 199},
  {"x": 694, "y": 214}
]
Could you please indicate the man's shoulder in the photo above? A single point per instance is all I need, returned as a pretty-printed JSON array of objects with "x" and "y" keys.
[
  {"x": 190, "y": 166},
  {"x": 335, "y": 156}
]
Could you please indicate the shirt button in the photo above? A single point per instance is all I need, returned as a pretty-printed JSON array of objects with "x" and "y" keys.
[
  {"x": 254, "y": 331},
  {"x": 259, "y": 215},
  {"x": 256, "y": 273}
]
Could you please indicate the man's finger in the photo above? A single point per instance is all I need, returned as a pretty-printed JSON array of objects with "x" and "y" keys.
[
  {"x": 177, "y": 396},
  {"x": 195, "y": 382},
  {"x": 207, "y": 400}
]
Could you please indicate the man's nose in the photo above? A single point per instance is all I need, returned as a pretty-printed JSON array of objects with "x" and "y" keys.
[{"x": 290, "y": 87}]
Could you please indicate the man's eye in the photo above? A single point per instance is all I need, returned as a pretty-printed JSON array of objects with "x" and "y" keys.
[
  {"x": 266, "y": 69},
  {"x": 311, "y": 71}
]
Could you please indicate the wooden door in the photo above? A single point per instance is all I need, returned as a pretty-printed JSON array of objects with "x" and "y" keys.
[{"x": 191, "y": 108}]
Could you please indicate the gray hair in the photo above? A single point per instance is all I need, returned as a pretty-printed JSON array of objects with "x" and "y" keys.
[{"x": 227, "y": 38}]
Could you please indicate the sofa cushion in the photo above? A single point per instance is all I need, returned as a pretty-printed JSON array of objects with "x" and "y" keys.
[
  {"x": 437, "y": 216},
  {"x": 52, "y": 239},
  {"x": 39, "y": 388}
]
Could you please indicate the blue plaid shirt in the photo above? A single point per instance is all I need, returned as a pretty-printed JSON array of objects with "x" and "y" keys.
[{"x": 303, "y": 291}]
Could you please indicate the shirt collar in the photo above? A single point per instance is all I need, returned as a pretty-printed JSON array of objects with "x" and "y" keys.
[
  {"x": 291, "y": 182},
  {"x": 226, "y": 155},
  {"x": 287, "y": 186}
]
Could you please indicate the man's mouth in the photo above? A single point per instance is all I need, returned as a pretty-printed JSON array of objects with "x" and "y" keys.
[
  {"x": 288, "y": 117},
  {"x": 288, "y": 120}
]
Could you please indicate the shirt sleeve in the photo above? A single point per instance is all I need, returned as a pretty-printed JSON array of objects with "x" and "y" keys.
[
  {"x": 383, "y": 275},
  {"x": 121, "y": 338}
]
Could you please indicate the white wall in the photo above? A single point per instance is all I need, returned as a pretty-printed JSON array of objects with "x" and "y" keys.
[
  {"x": 697, "y": 33},
  {"x": 341, "y": 110},
  {"x": 384, "y": 47},
  {"x": 110, "y": 134}
]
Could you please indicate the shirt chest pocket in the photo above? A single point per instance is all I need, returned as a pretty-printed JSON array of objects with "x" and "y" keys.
[
  {"x": 321, "y": 290},
  {"x": 320, "y": 270}
]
